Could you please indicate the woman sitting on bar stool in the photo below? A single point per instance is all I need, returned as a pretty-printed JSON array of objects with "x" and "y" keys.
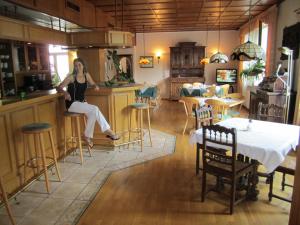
[{"x": 75, "y": 101}]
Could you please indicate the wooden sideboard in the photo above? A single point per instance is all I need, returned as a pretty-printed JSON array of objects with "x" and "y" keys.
[
  {"x": 185, "y": 66},
  {"x": 177, "y": 82}
]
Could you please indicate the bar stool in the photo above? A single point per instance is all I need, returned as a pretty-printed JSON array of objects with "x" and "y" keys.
[
  {"x": 140, "y": 107},
  {"x": 37, "y": 130},
  {"x": 75, "y": 123},
  {"x": 4, "y": 199}
]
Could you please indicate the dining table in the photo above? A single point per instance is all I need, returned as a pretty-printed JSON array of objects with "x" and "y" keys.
[{"x": 266, "y": 143}]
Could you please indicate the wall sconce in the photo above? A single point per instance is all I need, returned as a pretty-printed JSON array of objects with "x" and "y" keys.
[{"x": 158, "y": 55}]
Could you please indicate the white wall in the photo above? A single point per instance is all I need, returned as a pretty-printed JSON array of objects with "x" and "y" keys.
[
  {"x": 162, "y": 42},
  {"x": 287, "y": 17}
]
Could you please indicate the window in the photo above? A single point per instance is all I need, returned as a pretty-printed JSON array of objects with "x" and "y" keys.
[
  {"x": 264, "y": 36},
  {"x": 258, "y": 36},
  {"x": 59, "y": 61}
]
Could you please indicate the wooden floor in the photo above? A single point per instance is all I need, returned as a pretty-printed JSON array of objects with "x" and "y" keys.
[{"x": 166, "y": 191}]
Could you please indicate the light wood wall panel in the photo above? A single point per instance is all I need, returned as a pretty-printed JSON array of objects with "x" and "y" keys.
[{"x": 48, "y": 108}]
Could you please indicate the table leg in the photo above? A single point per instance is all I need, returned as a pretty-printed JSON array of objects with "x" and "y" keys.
[{"x": 253, "y": 192}]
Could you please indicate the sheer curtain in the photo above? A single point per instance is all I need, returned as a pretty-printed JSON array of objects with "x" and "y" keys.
[{"x": 269, "y": 18}]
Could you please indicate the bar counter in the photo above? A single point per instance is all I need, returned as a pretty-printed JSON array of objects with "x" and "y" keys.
[{"x": 48, "y": 106}]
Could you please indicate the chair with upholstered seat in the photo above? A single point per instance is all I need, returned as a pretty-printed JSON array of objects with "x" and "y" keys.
[
  {"x": 204, "y": 117},
  {"x": 140, "y": 107},
  {"x": 190, "y": 104},
  {"x": 75, "y": 138},
  {"x": 37, "y": 130},
  {"x": 287, "y": 167},
  {"x": 221, "y": 165}
]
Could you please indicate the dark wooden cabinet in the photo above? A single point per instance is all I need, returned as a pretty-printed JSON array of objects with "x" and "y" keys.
[
  {"x": 185, "y": 66},
  {"x": 185, "y": 60}
]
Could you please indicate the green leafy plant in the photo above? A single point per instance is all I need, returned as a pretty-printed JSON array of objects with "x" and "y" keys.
[{"x": 254, "y": 70}]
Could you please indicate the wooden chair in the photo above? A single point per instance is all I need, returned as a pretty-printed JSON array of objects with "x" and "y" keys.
[
  {"x": 287, "y": 167},
  {"x": 203, "y": 117},
  {"x": 190, "y": 104},
  {"x": 224, "y": 89},
  {"x": 270, "y": 112},
  {"x": 4, "y": 199},
  {"x": 238, "y": 96},
  {"x": 219, "y": 109},
  {"x": 210, "y": 91},
  {"x": 222, "y": 165}
]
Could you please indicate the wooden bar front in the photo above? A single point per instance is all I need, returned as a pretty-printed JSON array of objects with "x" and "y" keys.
[{"x": 114, "y": 103}]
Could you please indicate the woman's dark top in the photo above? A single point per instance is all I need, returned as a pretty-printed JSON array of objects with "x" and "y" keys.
[{"x": 76, "y": 91}]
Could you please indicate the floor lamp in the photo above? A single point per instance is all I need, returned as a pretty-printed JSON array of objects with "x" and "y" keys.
[{"x": 288, "y": 82}]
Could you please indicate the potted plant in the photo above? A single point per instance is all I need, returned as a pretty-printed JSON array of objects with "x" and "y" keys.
[{"x": 254, "y": 70}]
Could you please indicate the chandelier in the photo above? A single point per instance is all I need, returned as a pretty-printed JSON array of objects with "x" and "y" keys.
[
  {"x": 249, "y": 50},
  {"x": 219, "y": 57},
  {"x": 205, "y": 60}
]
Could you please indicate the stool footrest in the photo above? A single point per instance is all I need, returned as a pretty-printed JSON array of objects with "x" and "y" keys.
[{"x": 37, "y": 162}]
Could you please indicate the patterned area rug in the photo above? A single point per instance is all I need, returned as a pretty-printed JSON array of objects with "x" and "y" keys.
[{"x": 68, "y": 199}]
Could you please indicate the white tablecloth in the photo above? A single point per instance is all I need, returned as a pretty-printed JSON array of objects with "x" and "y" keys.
[
  {"x": 266, "y": 142},
  {"x": 225, "y": 100}
]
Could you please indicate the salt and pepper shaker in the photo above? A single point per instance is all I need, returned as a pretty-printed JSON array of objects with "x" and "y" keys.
[{"x": 249, "y": 126}]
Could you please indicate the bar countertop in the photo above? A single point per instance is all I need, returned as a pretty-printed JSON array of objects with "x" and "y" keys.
[{"x": 13, "y": 102}]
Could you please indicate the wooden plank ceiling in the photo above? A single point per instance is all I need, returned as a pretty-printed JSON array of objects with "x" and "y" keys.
[{"x": 181, "y": 15}]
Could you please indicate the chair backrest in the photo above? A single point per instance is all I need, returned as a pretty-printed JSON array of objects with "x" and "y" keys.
[
  {"x": 197, "y": 85},
  {"x": 218, "y": 107},
  {"x": 225, "y": 88},
  {"x": 187, "y": 85},
  {"x": 215, "y": 158},
  {"x": 204, "y": 116},
  {"x": 210, "y": 91},
  {"x": 190, "y": 104},
  {"x": 270, "y": 112}
]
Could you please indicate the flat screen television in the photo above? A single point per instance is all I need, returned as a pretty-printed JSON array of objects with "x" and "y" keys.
[{"x": 227, "y": 76}]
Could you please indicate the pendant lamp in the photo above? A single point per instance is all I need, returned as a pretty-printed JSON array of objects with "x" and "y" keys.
[
  {"x": 218, "y": 57},
  {"x": 143, "y": 59},
  {"x": 205, "y": 60},
  {"x": 249, "y": 50}
]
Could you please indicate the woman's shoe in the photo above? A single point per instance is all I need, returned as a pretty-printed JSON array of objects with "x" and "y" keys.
[
  {"x": 113, "y": 137},
  {"x": 89, "y": 142}
]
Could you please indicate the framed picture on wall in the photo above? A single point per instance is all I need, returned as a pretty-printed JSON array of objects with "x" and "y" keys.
[{"x": 146, "y": 65}]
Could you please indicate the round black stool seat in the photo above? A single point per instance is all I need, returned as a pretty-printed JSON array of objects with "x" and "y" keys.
[{"x": 35, "y": 127}]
